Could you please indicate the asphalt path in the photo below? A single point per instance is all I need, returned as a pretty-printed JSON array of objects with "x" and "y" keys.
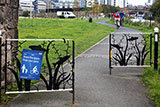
[{"x": 94, "y": 86}]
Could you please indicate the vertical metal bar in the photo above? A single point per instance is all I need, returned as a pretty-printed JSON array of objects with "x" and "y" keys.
[
  {"x": 27, "y": 84},
  {"x": 156, "y": 48},
  {"x": 5, "y": 70},
  {"x": 0, "y": 62},
  {"x": 151, "y": 49},
  {"x": 110, "y": 72},
  {"x": 73, "y": 71},
  {"x": 155, "y": 55}
]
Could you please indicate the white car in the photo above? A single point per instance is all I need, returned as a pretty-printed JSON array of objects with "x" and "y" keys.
[
  {"x": 140, "y": 19},
  {"x": 65, "y": 14},
  {"x": 102, "y": 15}
]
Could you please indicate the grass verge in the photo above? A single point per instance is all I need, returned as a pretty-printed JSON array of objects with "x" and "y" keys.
[
  {"x": 151, "y": 78},
  {"x": 136, "y": 25}
]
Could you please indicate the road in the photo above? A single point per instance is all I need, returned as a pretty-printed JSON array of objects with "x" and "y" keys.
[{"x": 94, "y": 86}]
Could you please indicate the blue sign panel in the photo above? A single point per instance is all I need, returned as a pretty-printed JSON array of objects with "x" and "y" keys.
[{"x": 31, "y": 64}]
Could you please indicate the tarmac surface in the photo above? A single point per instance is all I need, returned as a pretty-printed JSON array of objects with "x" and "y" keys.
[{"x": 94, "y": 87}]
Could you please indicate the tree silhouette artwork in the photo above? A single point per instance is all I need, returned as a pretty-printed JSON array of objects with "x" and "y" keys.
[
  {"x": 57, "y": 75},
  {"x": 129, "y": 49}
]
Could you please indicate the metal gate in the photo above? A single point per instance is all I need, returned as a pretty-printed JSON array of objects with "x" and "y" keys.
[
  {"x": 130, "y": 50},
  {"x": 57, "y": 70}
]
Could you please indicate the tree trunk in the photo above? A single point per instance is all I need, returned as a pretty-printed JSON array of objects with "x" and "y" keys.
[{"x": 9, "y": 27}]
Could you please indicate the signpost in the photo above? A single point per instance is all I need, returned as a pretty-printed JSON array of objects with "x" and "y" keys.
[{"x": 31, "y": 64}]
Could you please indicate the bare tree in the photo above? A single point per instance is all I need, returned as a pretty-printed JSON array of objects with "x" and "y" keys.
[
  {"x": 76, "y": 7},
  {"x": 96, "y": 8}
]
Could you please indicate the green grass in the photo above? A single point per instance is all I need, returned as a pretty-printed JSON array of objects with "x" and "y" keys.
[
  {"x": 84, "y": 33},
  {"x": 151, "y": 78},
  {"x": 143, "y": 28},
  {"x": 139, "y": 26}
]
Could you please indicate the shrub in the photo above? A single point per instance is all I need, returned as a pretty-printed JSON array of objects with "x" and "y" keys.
[
  {"x": 158, "y": 19},
  {"x": 142, "y": 24},
  {"x": 26, "y": 13}
]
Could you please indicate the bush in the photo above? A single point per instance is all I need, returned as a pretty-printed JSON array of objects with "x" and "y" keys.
[
  {"x": 155, "y": 25},
  {"x": 142, "y": 24},
  {"x": 158, "y": 19},
  {"x": 26, "y": 13}
]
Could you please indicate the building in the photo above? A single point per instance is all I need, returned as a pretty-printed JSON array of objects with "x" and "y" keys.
[
  {"x": 108, "y": 2},
  {"x": 41, "y": 5},
  {"x": 118, "y": 3},
  {"x": 82, "y": 3},
  {"x": 90, "y": 3},
  {"x": 27, "y": 5},
  {"x": 66, "y": 4}
]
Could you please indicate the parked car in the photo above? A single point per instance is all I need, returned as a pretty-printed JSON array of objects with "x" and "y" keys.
[
  {"x": 141, "y": 19},
  {"x": 102, "y": 15},
  {"x": 65, "y": 14},
  {"x": 138, "y": 19}
]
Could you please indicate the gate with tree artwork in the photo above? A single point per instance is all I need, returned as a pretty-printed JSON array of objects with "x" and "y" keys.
[
  {"x": 130, "y": 50},
  {"x": 39, "y": 65}
]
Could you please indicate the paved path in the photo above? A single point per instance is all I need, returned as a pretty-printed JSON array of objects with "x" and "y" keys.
[{"x": 94, "y": 86}]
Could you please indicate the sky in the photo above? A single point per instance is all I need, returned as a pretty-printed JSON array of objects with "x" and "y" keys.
[{"x": 137, "y": 2}]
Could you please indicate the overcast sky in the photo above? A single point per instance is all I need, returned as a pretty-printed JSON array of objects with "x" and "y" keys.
[{"x": 134, "y": 2}]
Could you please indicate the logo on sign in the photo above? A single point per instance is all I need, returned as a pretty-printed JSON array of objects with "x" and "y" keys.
[
  {"x": 34, "y": 71},
  {"x": 31, "y": 64}
]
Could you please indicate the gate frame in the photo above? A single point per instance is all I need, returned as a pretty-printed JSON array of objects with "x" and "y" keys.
[
  {"x": 110, "y": 53},
  {"x": 72, "y": 90}
]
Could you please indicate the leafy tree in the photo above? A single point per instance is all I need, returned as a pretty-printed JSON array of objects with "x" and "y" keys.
[
  {"x": 26, "y": 14},
  {"x": 155, "y": 10},
  {"x": 87, "y": 9},
  {"x": 109, "y": 9}
]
